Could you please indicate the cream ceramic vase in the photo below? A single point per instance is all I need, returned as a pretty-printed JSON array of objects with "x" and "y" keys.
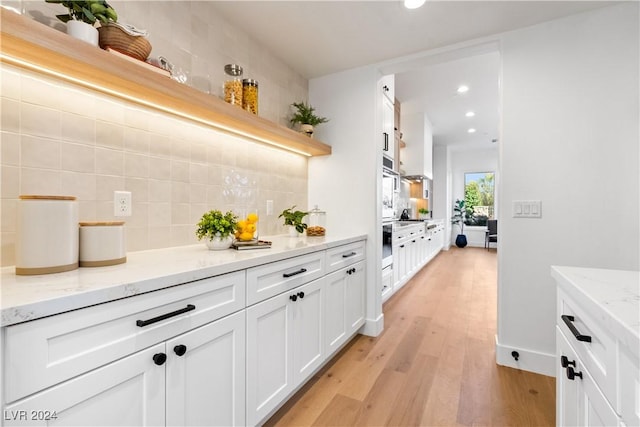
[
  {"x": 83, "y": 31},
  {"x": 217, "y": 243},
  {"x": 307, "y": 130}
]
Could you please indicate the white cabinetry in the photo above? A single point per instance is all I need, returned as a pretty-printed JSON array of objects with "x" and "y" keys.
[
  {"x": 388, "y": 132},
  {"x": 284, "y": 336},
  {"x": 168, "y": 379},
  {"x": 417, "y": 156},
  {"x": 597, "y": 375}
]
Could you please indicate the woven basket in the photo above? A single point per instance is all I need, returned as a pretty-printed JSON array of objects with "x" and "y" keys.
[{"x": 114, "y": 37}]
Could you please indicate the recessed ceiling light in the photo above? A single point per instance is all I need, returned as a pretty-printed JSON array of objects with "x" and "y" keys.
[
  {"x": 463, "y": 89},
  {"x": 413, "y": 4},
  {"x": 471, "y": 130},
  {"x": 470, "y": 114}
]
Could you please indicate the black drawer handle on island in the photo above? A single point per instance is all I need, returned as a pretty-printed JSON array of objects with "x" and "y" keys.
[
  {"x": 348, "y": 255},
  {"x": 142, "y": 323},
  {"x": 302, "y": 270},
  {"x": 568, "y": 320}
]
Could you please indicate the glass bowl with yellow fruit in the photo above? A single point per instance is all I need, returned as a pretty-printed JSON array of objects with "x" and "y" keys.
[{"x": 247, "y": 228}]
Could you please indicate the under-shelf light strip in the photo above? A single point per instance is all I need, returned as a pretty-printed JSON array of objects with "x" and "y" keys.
[{"x": 218, "y": 126}]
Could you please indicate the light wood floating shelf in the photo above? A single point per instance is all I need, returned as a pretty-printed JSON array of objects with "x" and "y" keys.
[{"x": 31, "y": 45}]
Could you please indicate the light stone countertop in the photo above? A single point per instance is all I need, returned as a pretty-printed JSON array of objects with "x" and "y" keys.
[
  {"x": 31, "y": 297},
  {"x": 612, "y": 297}
]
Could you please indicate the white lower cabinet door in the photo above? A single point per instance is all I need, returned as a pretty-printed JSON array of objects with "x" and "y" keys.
[
  {"x": 335, "y": 321},
  {"x": 206, "y": 375},
  {"x": 595, "y": 410},
  {"x": 128, "y": 392},
  {"x": 308, "y": 342},
  {"x": 269, "y": 352},
  {"x": 355, "y": 296},
  {"x": 568, "y": 390}
]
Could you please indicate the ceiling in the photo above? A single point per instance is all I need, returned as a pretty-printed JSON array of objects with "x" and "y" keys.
[{"x": 322, "y": 37}]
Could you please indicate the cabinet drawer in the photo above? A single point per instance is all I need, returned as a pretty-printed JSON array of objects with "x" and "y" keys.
[
  {"x": 268, "y": 280},
  {"x": 599, "y": 355},
  {"x": 344, "y": 255},
  {"x": 44, "y": 352}
]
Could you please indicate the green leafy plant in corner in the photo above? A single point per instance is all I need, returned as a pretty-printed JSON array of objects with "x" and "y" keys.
[
  {"x": 216, "y": 224},
  {"x": 458, "y": 214},
  {"x": 89, "y": 11},
  {"x": 305, "y": 115},
  {"x": 294, "y": 218}
]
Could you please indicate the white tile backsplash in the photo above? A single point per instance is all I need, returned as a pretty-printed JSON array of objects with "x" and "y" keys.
[{"x": 58, "y": 138}]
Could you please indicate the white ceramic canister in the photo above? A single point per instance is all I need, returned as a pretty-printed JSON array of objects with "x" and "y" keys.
[
  {"x": 47, "y": 234},
  {"x": 102, "y": 243}
]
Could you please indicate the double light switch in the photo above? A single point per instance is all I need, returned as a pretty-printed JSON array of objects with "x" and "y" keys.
[{"x": 527, "y": 208}]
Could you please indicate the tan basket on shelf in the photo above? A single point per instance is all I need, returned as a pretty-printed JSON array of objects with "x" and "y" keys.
[{"x": 117, "y": 39}]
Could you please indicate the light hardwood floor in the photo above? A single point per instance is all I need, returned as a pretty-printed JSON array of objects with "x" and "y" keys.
[{"x": 434, "y": 363}]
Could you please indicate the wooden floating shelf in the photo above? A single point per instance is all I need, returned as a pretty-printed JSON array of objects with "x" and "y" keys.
[{"x": 31, "y": 45}]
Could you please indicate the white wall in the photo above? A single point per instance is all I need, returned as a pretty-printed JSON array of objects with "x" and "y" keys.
[
  {"x": 345, "y": 184},
  {"x": 569, "y": 138},
  {"x": 481, "y": 160}
]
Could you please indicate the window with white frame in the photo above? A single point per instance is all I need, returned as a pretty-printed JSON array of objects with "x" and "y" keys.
[{"x": 479, "y": 196}]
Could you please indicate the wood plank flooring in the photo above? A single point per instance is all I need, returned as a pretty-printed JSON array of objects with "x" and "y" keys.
[{"x": 434, "y": 363}]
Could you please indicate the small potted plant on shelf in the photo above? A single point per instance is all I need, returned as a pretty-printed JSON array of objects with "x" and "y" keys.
[
  {"x": 83, "y": 16},
  {"x": 306, "y": 117},
  {"x": 423, "y": 213},
  {"x": 293, "y": 220},
  {"x": 458, "y": 219},
  {"x": 217, "y": 229}
]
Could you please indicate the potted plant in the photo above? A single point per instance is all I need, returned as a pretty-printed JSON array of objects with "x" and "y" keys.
[
  {"x": 293, "y": 219},
  {"x": 82, "y": 17},
  {"x": 423, "y": 213},
  {"x": 217, "y": 229},
  {"x": 458, "y": 218},
  {"x": 306, "y": 118}
]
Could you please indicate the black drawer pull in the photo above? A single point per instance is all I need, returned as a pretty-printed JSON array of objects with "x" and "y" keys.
[
  {"x": 564, "y": 361},
  {"x": 572, "y": 374},
  {"x": 348, "y": 255},
  {"x": 142, "y": 323},
  {"x": 568, "y": 320},
  {"x": 302, "y": 270}
]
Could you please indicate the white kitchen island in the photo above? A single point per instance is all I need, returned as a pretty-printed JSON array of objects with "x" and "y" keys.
[
  {"x": 598, "y": 347},
  {"x": 178, "y": 336}
]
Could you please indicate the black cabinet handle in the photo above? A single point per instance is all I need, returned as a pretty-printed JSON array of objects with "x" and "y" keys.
[
  {"x": 293, "y": 297},
  {"x": 302, "y": 270},
  {"x": 385, "y": 88},
  {"x": 568, "y": 320},
  {"x": 571, "y": 374},
  {"x": 301, "y": 294},
  {"x": 386, "y": 141},
  {"x": 180, "y": 349},
  {"x": 159, "y": 358},
  {"x": 402, "y": 246},
  {"x": 413, "y": 241},
  {"x": 353, "y": 270},
  {"x": 564, "y": 361},
  {"x": 142, "y": 323},
  {"x": 349, "y": 255}
]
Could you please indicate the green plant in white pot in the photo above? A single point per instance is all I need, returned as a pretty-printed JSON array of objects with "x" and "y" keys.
[
  {"x": 306, "y": 118},
  {"x": 82, "y": 17},
  {"x": 293, "y": 220},
  {"x": 217, "y": 229}
]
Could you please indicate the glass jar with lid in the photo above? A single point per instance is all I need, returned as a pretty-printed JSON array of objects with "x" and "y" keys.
[
  {"x": 317, "y": 222},
  {"x": 233, "y": 84},
  {"x": 250, "y": 95}
]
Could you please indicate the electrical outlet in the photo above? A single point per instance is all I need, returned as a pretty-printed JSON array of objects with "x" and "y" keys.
[
  {"x": 122, "y": 203},
  {"x": 269, "y": 207}
]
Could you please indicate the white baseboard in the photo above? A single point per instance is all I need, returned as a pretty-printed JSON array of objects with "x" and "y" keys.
[
  {"x": 528, "y": 360},
  {"x": 373, "y": 327}
]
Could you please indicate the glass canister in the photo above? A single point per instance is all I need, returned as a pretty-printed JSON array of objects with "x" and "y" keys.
[
  {"x": 317, "y": 222},
  {"x": 233, "y": 84},
  {"x": 250, "y": 95}
]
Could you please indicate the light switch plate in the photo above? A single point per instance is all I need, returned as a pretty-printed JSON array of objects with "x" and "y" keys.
[{"x": 527, "y": 209}]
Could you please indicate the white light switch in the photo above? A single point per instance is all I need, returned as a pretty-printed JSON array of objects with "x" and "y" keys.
[{"x": 527, "y": 209}]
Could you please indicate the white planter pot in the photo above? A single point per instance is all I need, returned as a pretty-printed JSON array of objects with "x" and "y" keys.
[
  {"x": 83, "y": 31},
  {"x": 293, "y": 232},
  {"x": 307, "y": 130},
  {"x": 217, "y": 244}
]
